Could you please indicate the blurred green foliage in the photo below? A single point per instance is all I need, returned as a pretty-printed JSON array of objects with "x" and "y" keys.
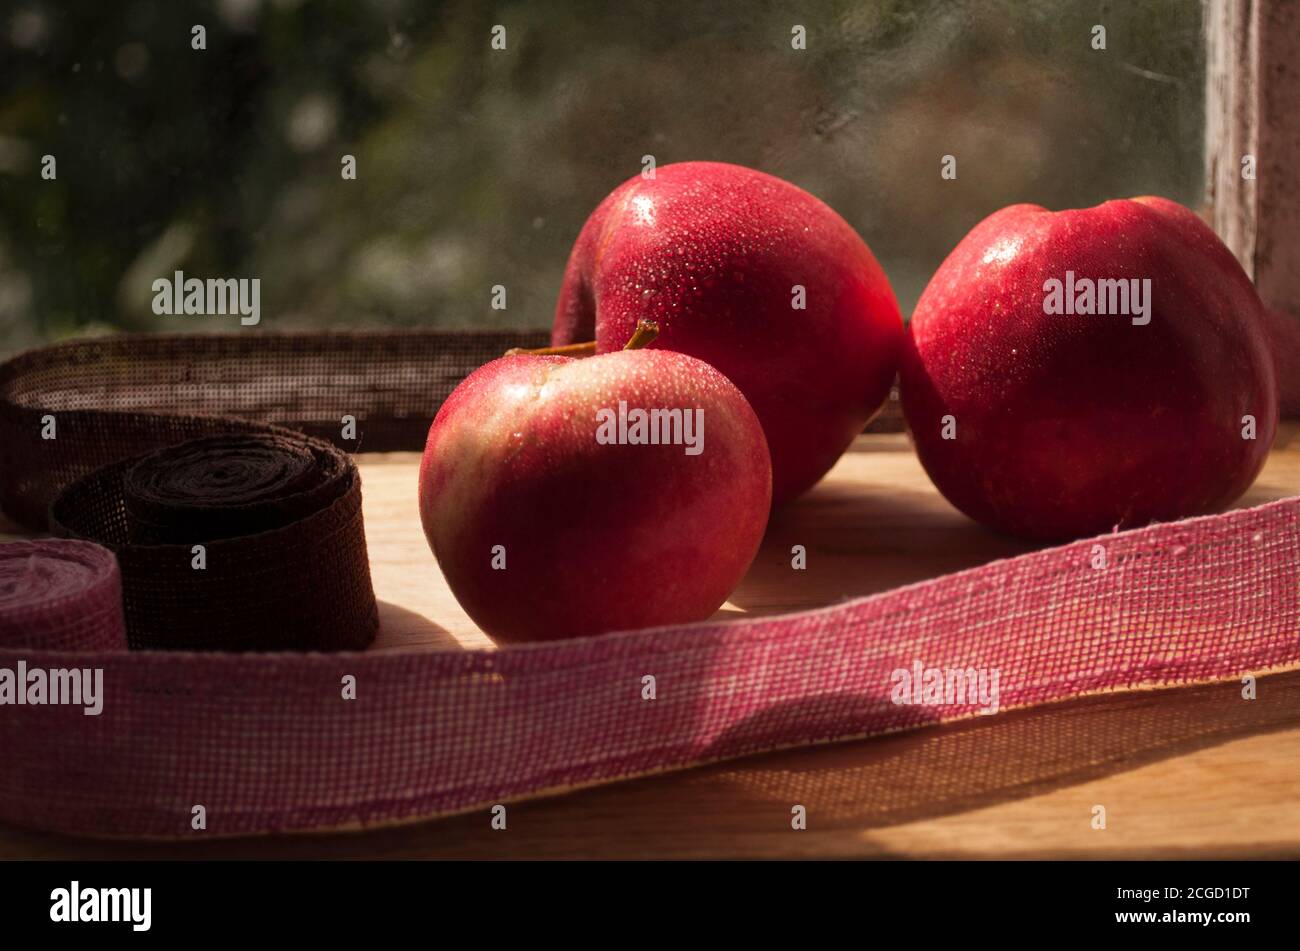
[{"x": 477, "y": 167}]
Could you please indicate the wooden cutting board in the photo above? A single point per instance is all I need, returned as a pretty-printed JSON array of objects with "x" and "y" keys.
[{"x": 1189, "y": 772}]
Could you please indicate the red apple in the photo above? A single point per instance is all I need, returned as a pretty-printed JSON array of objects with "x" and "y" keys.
[
  {"x": 546, "y": 525},
  {"x": 1071, "y": 424},
  {"x": 714, "y": 254},
  {"x": 1284, "y": 335}
]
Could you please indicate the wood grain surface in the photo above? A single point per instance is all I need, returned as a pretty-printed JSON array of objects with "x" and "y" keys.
[{"x": 1187, "y": 772}]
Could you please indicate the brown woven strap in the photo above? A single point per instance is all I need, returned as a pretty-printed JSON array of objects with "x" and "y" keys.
[{"x": 189, "y": 458}]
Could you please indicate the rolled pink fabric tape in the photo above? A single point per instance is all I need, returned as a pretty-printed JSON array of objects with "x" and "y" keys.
[{"x": 60, "y": 595}]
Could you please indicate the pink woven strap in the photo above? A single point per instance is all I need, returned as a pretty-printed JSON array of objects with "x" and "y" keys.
[
  {"x": 269, "y": 742},
  {"x": 60, "y": 595}
]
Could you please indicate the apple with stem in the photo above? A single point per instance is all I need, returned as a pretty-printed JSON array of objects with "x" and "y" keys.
[
  {"x": 1072, "y": 372},
  {"x": 756, "y": 277},
  {"x": 566, "y": 497}
]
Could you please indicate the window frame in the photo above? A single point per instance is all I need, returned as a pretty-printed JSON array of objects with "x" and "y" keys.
[{"x": 1252, "y": 108}]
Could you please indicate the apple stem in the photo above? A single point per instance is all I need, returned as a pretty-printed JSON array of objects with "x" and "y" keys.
[{"x": 646, "y": 331}]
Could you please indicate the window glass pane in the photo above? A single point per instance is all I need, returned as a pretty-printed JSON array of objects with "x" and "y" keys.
[{"x": 477, "y": 166}]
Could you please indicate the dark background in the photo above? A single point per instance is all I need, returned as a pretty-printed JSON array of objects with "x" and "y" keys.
[{"x": 477, "y": 167}]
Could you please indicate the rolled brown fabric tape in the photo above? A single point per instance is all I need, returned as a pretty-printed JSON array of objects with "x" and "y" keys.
[
  {"x": 252, "y": 541},
  {"x": 152, "y": 445},
  {"x": 227, "y": 486}
]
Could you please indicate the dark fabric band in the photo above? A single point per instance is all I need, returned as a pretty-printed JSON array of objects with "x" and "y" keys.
[{"x": 190, "y": 459}]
